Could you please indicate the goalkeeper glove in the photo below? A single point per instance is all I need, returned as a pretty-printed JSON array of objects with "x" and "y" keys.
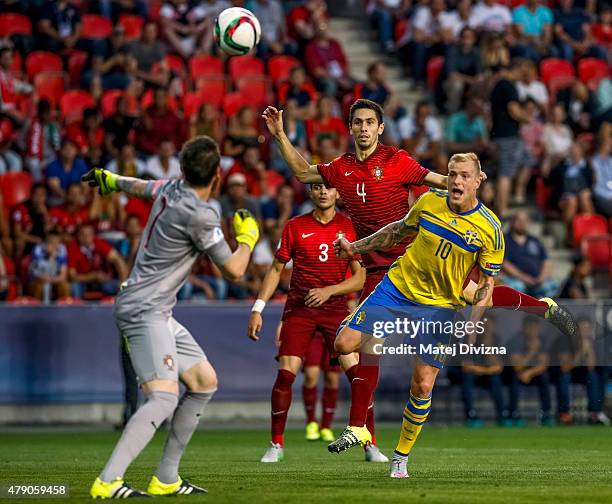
[
  {"x": 246, "y": 228},
  {"x": 104, "y": 180}
]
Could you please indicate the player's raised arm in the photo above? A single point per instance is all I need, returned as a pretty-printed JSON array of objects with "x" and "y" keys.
[
  {"x": 267, "y": 289},
  {"x": 108, "y": 182},
  {"x": 316, "y": 297},
  {"x": 302, "y": 169}
]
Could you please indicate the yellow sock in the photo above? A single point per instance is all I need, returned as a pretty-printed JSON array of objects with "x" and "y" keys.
[{"x": 415, "y": 415}]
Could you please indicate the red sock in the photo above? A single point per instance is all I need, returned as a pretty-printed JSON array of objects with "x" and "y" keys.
[
  {"x": 281, "y": 400},
  {"x": 506, "y": 297},
  {"x": 362, "y": 389},
  {"x": 351, "y": 373},
  {"x": 309, "y": 395},
  {"x": 370, "y": 422},
  {"x": 330, "y": 398}
]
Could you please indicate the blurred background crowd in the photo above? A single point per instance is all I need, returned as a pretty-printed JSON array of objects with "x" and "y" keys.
[{"x": 122, "y": 84}]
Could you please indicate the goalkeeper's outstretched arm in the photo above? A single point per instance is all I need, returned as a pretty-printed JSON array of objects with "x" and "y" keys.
[
  {"x": 108, "y": 182},
  {"x": 247, "y": 234}
]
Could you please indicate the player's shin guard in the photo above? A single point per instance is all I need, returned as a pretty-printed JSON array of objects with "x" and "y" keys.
[
  {"x": 138, "y": 432},
  {"x": 281, "y": 401},
  {"x": 309, "y": 396},
  {"x": 415, "y": 415},
  {"x": 184, "y": 423},
  {"x": 330, "y": 398}
]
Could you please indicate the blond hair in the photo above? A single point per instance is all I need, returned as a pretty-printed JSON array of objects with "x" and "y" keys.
[{"x": 464, "y": 157}]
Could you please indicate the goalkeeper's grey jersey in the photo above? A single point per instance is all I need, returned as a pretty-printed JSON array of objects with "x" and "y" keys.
[{"x": 180, "y": 227}]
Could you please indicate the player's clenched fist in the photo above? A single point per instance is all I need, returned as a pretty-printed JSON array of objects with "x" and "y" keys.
[
  {"x": 104, "y": 180},
  {"x": 246, "y": 228},
  {"x": 343, "y": 248},
  {"x": 274, "y": 120},
  {"x": 255, "y": 323}
]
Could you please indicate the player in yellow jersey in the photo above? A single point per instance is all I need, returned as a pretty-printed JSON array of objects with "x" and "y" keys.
[{"x": 453, "y": 231}]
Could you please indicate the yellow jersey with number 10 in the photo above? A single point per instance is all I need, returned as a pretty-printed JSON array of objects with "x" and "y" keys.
[{"x": 448, "y": 245}]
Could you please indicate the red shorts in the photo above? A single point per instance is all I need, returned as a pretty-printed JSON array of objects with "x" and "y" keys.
[
  {"x": 318, "y": 355},
  {"x": 300, "y": 326},
  {"x": 373, "y": 278}
]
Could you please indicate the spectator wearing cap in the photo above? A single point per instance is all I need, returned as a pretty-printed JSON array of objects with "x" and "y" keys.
[
  {"x": 10, "y": 87},
  {"x": 31, "y": 221},
  {"x": 577, "y": 285},
  {"x": 90, "y": 264},
  {"x": 489, "y": 16},
  {"x": 148, "y": 52},
  {"x": 108, "y": 65},
  {"x": 49, "y": 269},
  {"x": 242, "y": 132},
  {"x": 601, "y": 163},
  {"x": 526, "y": 265},
  {"x": 237, "y": 196},
  {"x": 573, "y": 37},
  {"x": 326, "y": 123},
  {"x": 67, "y": 169},
  {"x": 42, "y": 140},
  {"x": 253, "y": 168},
  {"x": 159, "y": 123},
  {"x": 327, "y": 63},
  {"x": 164, "y": 165},
  {"x": 60, "y": 26},
  {"x": 533, "y": 28},
  {"x": 299, "y": 90}
]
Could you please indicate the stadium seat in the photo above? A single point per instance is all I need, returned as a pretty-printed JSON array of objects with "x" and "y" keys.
[
  {"x": 232, "y": 102},
  {"x": 588, "y": 225},
  {"x": 132, "y": 25},
  {"x": 242, "y": 66},
  {"x": 557, "y": 83},
  {"x": 592, "y": 70},
  {"x": 147, "y": 100},
  {"x": 16, "y": 188},
  {"x": 42, "y": 61},
  {"x": 256, "y": 90},
  {"x": 434, "y": 69},
  {"x": 204, "y": 66},
  {"x": 279, "y": 67},
  {"x": 543, "y": 192},
  {"x": 73, "y": 103},
  {"x": 96, "y": 27},
  {"x": 14, "y": 24},
  {"x": 212, "y": 88},
  {"x": 17, "y": 66},
  {"x": 76, "y": 63},
  {"x": 597, "y": 249},
  {"x": 191, "y": 103},
  {"x": 555, "y": 67},
  {"x": 50, "y": 85},
  {"x": 175, "y": 63},
  {"x": 108, "y": 103}
]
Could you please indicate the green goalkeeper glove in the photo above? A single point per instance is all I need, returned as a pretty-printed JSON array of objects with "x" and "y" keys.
[
  {"x": 246, "y": 228},
  {"x": 104, "y": 180}
]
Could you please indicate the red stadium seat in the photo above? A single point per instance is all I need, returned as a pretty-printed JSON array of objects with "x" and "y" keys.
[
  {"x": 76, "y": 63},
  {"x": 96, "y": 27},
  {"x": 280, "y": 66},
  {"x": 256, "y": 90},
  {"x": 242, "y": 66},
  {"x": 108, "y": 104},
  {"x": 213, "y": 89},
  {"x": 73, "y": 103},
  {"x": 543, "y": 194},
  {"x": 555, "y": 67},
  {"x": 14, "y": 24},
  {"x": 588, "y": 225},
  {"x": 147, "y": 100},
  {"x": 592, "y": 70},
  {"x": 597, "y": 249},
  {"x": 232, "y": 102},
  {"x": 175, "y": 63},
  {"x": 204, "y": 66},
  {"x": 16, "y": 188},
  {"x": 132, "y": 25},
  {"x": 191, "y": 103},
  {"x": 42, "y": 61},
  {"x": 434, "y": 69},
  {"x": 557, "y": 83},
  {"x": 17, "y": 66},
  {"x": 50, "y": 85}
]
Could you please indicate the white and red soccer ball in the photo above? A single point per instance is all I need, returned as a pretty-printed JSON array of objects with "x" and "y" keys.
[{"x": 237, "y": 31}]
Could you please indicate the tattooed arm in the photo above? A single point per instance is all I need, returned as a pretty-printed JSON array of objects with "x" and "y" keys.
[
  {"x": 483, "y": 299},
  {"x": 385, "y": 238},
  {"x": 146, "y": 189}
]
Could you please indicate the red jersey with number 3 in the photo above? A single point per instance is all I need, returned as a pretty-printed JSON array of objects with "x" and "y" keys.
[
  {"x": 375, "y": 192},
  {"x": 310, "y": 244}
]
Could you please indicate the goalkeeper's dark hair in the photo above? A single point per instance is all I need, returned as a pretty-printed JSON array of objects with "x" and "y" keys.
[
  {"x": 200, "y": 159},
  {"x": 362, "y": 103}
]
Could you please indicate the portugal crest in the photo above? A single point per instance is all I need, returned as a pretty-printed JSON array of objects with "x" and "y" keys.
[
  {"x": 378, "y": 172},
  {"x": 169, "y": 362}
]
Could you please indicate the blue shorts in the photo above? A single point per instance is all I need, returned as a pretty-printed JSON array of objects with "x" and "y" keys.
[{"x": 387, "y": 312}]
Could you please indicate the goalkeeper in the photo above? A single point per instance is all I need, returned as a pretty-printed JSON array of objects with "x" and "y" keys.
[{"x": 181, "y": 226}]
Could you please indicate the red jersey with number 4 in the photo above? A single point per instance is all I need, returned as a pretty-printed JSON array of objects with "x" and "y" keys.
[
  {"x": 375, "y": 193},
  {"x": 310, "y": 244}
]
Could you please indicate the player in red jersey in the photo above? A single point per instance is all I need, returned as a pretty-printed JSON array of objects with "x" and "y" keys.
[
  {"x": 316, "y": 301},
  {"x": 374, "y": 184}
]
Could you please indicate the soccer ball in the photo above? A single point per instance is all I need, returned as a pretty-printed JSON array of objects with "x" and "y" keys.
[{"x": 237, "y": 31}]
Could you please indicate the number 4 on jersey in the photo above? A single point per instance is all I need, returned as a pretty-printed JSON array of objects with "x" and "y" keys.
[{"x": 361, "y": 191}]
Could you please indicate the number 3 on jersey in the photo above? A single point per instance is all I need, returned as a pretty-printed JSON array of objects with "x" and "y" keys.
[
  {"x": 324, "y": 248},
  {"x": 361, "y": 191}
]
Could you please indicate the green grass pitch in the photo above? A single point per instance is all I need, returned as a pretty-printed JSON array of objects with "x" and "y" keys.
[{"x": 448, "y": 465}]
